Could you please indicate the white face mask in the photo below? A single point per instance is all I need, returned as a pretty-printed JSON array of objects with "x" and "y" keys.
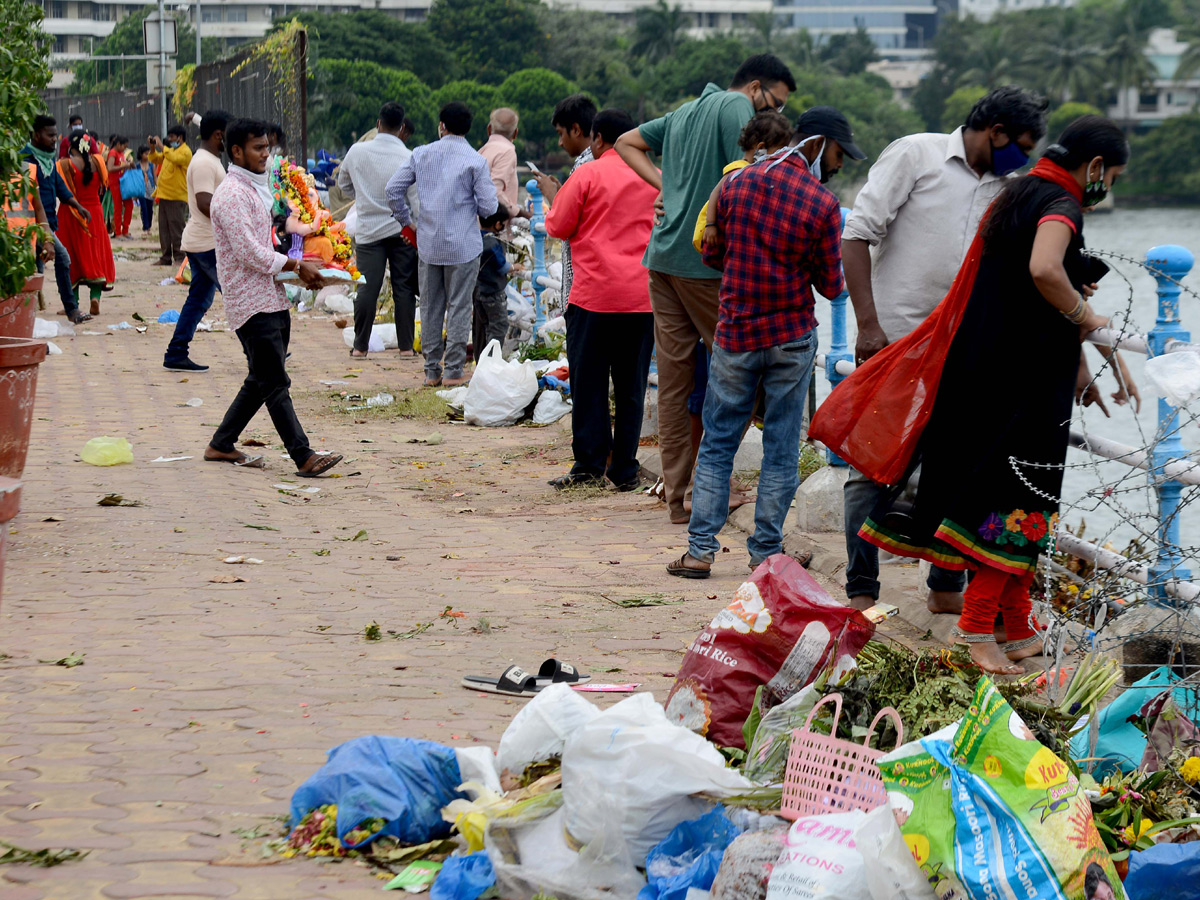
[{"x": 815, "y": 165}]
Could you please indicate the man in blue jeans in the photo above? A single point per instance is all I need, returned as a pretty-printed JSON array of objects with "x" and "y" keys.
[
  {"x": 776, "y": 236},
  {"x": 204, "y": 174}
]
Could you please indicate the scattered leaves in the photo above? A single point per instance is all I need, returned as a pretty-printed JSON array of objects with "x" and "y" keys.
[
  {"x": 45, "y": 858},
  {"x": 372, "y": 632},
  {"x": 324, "y": 551},
  {"x": 260, "y": 527},
  {"x": 137, "y": 318},
  {"x": 117, "y": 500},
  {"x": 648, "y": 600},
  {"x": 68, "y": 662},
  {"x": 361, "y": 535},
  {"x": 419, "y": 628}
]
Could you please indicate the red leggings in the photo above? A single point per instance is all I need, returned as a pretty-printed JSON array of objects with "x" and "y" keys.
[{"x": 992, "y": 591}]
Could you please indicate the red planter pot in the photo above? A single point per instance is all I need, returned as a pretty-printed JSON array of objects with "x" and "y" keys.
[
  {"x": 19, "y": 360},
  {"x": 18, "y": 311},
  {"x": 10, "y": 503}
]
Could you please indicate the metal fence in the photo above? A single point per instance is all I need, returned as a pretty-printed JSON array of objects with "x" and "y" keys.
[{"x": 258, "y": 87}]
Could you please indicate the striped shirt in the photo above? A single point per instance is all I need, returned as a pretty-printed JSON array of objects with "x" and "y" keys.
[
  {"x": 364, "y": 174},
  {"x": 455, "y": 188},
  {"x": 568, "y": 271}
]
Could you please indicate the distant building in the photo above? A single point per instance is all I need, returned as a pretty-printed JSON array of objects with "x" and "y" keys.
[
  {"x": 1167, "y": 96},
  {"x": 898, "y": 27},
  {"x": 985, "y": 9},
  {"x": 903, "y": 75}
]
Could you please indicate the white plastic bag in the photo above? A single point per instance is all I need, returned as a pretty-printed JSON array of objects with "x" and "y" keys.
[
  {"x": 550, "y": 407},
  {"x": 649, "y": 768},
  {"x": 383, "y": 337},
  {"x": 1174, "y": 376},
  {"x": 541, "y": 728},
  {"x": 478, "y": 764},
  {"x": 891, "y": 872},
  {"x": 821, "y": 860},
  {"x": 529, "y": 852},
  {"x": 335, "y": 298},
  {"x": 455, "y": 396},
  {"x": 499, "y": 391},
  {"x": 43, "y": 329}
]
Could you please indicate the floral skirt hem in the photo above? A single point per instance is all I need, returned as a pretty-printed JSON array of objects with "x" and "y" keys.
[
  {"x": 936, "y": 552},
  {"x": 952, "y": 547}
]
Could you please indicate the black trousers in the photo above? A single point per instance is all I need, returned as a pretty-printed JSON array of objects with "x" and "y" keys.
[
  {"x": 265, "y": 340},
  {"x": 601, "y": 346},
  {"x": 371, "y": 259}
]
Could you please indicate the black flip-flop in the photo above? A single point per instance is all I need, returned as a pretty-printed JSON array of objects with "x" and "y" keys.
[
  {"x": 554, "y": 672},
  {"x": 680, "y": 570},
  {"x": 326, "y": 463},
  {"x": 515, "y": 682}
]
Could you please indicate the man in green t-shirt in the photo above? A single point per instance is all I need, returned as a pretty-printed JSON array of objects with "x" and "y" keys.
[{"x": 694, "y": 143}]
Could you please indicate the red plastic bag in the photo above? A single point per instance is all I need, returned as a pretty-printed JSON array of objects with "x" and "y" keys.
[
  {"x": 874, "y": 418},
  {"x": 780, "y": 631}
]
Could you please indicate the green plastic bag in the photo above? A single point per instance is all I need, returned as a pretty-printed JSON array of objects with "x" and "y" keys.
[
  {"x": 991, "y": 814},
  {"x": 107, "y": 451}
]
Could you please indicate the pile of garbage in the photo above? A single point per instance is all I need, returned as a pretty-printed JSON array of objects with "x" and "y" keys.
[{"x": 765, "y": 776}]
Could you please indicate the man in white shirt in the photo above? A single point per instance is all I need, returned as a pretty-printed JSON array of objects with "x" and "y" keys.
[
  {"x": 901, "y": 248},
  {"x": 379, "y": 239},
  {"x": 204, "y": 175}
]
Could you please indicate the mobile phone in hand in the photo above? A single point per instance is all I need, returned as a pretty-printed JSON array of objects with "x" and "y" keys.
[{"x": 534, "y": 169}]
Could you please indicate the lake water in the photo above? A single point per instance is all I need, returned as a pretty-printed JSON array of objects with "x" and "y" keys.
[{"x": 1130, "y": 506}]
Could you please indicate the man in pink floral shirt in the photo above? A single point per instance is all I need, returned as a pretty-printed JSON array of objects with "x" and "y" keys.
[{"x": 256, "y": 304}]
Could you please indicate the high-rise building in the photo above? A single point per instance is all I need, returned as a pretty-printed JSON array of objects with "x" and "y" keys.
[{"x": 898, "y": 27}]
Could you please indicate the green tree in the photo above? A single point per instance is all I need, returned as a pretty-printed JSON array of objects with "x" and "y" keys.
[
  {"x": 24, "y": 72},
  {"x": 952, "y": 57},
  {"x": 533, "y": 93},
  {"x": 126, "y": 38},
  {"x": 1065, "y": 115},
  {"x": 1065, "y": 60},
  {"x": 481, "y": 99},
  {"x": 371, "y": 35},
  {"x": 994, "y": 60},
  {"x": 696, "y": 63},
  {"x": 582, "y": 46},
  {"x": 959, "y": 104},
  {"x": 1165, "y": 160},
  {"x": 346, "y": 95},
  {"x": 657, "y": 30},
  {"x": 490, "y": 38},
  {"x": 799, "y": 50},
  {"x": 763, "y": 31},
  {"x": 850, "y": 53}
]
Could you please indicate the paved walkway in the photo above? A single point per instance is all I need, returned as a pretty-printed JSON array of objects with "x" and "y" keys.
[{"x": 202, "y": 704}]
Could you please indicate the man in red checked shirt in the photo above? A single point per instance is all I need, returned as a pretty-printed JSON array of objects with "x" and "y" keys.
[{"x": 776, "y": 236}]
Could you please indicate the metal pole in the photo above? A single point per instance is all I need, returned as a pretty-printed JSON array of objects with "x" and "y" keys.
[
  {"x": 198, "y": 19},
  {"x": 1168, "y": 264},
  {"x": 537, "y": 225},
  {"x": 839, "y": 349},
  {"x": 162, "y": 66}
]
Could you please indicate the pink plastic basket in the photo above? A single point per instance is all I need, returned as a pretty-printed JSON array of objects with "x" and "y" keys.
[{"x": 826, "y": 774}]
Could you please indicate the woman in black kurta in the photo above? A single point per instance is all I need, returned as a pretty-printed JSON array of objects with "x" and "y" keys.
[{"x": 991, "y": 454}]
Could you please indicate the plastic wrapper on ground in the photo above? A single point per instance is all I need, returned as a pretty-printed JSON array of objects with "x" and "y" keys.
[
  {"x": 532, "y": 852},
  {"x": 499, "y": 391},
  {"x": 383, "y": 337},
  {"x": 541, "y": 728},
  {"x": 650, "y": 768},
  {"x": 107, "y": 451},
  {"x": 688, "y": 858}
]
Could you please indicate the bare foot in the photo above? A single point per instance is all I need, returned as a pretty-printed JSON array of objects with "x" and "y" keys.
[
  {"x": 991, "y": 659},
  {"x": 862, "y": 601},
  {"x": 1034, "y": 649},
  {"x": 945, "y": 602}
]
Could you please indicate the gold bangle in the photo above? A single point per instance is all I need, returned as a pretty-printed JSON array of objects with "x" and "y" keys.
[{"x": 1078, "y": 313}]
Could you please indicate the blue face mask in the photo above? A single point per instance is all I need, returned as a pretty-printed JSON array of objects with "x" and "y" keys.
[{"x": 1008, "y": 158}]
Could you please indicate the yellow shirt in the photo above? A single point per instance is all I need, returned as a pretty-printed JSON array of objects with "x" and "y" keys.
[
  {"x": 702, "y": 219},
  {"x": 172, "y": 180}
]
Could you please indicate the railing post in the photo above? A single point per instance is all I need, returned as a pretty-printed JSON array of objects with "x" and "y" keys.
[
  {"x": 1168, "y": 264},
  {"x": 839, "y": 349},
  {"x": 537, "y": 227}
]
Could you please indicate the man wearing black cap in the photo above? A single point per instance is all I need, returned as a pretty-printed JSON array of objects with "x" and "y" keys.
[{"x": 776, "y": 234}]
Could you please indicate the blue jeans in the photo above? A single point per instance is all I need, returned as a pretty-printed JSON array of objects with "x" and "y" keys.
[
  {"x": 62, "y": 273},
  {"x": 860, "y": 497},
  {"x": 146, "y": 204},
  {"x": 200, "y": 297},
  {"x": 733, "y": 379}
]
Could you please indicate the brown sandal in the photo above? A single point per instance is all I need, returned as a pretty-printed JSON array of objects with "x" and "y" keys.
[
  {"x": 241, "y": 461},
  {"x": 681, "y": 569}
]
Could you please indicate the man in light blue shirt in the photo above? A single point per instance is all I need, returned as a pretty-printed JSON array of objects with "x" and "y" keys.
[
  {"x": 363, "y": 176},
  {"x": 454, "y": 189}
]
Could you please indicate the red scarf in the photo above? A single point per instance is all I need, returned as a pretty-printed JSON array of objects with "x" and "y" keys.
[{"x": 1053, "y": 172}]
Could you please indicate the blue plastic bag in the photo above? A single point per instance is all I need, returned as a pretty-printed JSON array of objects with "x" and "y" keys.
[
  {"x": 401, "y": 780},
  {"x": 168, "y": 317},
  {"x": 464, "y": 877},
  {"x": 1164, "y": 872},
  {"x": 1120, "y": 744},
  {"x": 688, "y": 857}
]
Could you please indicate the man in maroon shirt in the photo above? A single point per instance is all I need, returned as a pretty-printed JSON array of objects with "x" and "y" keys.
[{"x": 776, "y": 236}]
